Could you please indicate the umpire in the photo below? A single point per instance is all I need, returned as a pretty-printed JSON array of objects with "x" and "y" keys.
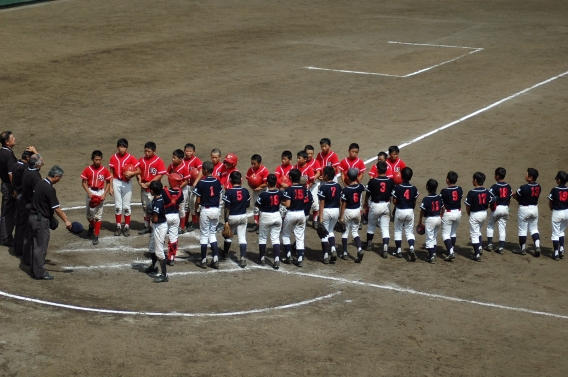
[
  {"x": 7, "y": 161},
  {"x": 21, "y": 213},
  {"x": 41, "y": 220},
  {"x": 30, "y": 178}
]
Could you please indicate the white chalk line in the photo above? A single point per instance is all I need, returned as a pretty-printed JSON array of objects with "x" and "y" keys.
[
  {"x": 171, "y": 314},
  {"x": 126, "y": 249},
  {"x": 419, "y": 293},
  {"x": 474, "y": 50}
]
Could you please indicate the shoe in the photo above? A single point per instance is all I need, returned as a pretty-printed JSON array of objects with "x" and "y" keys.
[
  {"x": 91, "y": 231},
  {"x": 344, "y": 256},
  {"x": 276, "y": 265},
  {"x": 519, "y": 251},
  {"x": 326, "y": 260},
  {"x": 170, "y": 262},
  {"x": 450, "y": 257},
  {"x": 556, "y": 258},
  {"x": 412, "y": 254},
  {"x": 150, "y": 270},
  {"x": 561, "y": 254},
  {"x": 489, "y": 247},
  {"x": 95, "y": 240},
  {"x": 161, "y": 279},
  {"x": 300, "y": 263},
  {"x": 537, "y": 252},
  {"x": 262, "y": 262},
  {"x": 333, "y": 258},
  {"x": 181, "y": 231},
  {"x": 476, "y": 258},
  {"x": 432, "y": 260},
  {"x": 126, "y": 232},
  {"x": 243, "y": 262},
  {"x": 118, "y": 232},
  {"x": 190, "y": 227},
  {"x": 398, "y": 254},
  {"x": 360, "y": 255},
  {"x": 201, "y": 264},
  {"x": 368, "y": 246},
  {"x": 214, "y": 264},
  {"x": 288, "y": 260},
  {"x": 143, "y": 231},
  {"x": 254, "y": 229},
  {"x": 502, "y": 251},
  {"x": 385, "y": 254},
  {"x": 46, "y": 276}
]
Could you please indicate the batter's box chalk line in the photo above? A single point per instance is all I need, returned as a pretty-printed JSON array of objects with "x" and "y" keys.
[{"x": 472, "y": 50}]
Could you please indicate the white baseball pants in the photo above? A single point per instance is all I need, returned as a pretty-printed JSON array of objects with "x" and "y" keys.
[
  {"x": 122, "y": 196},
  {"x": 97, "y": 212},
  {"x": 296, "y": 221},
  {"x": 145, "y": 197},
  {"x": 432, "y": 225},
  {"x": 330, "y": 217},
  {"x": 270, "y": 224},
  {"x": 559, "y": 223},
  {"x": 499, "y": 216},
  {"x": 450, "y": 222},
  {"x": 404, "y": 219},
  {"x": 476, "y": 221},
  {"x": 314, "y": 190},
  {"x": 208, "y": 220},
  {"x": 157, "y": 239},
  {"x": 528, "y": 220},
  {"x": 379, "y": 216},
  {"x": 238, "y": 224},
  {"x": 352, "y": 218}
]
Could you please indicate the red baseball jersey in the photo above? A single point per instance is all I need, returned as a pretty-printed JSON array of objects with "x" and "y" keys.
[
  {"x": 224, "y": 174},
  {"x": 96, "y": 177},
  {"x": 217, "y": 170},
  {"x": 117, "y": 163},
  {"x": 396, "y": 166},
  {"x": 330, "y": 159},
  {"x": 373, "y": 173},
  {"x": 315, "y": 165},
  {"x": 282, "y": 171},
  {"x": 180, "y": 169},
  {"x": 192, "y": 163},
  {"x": 151, "y": 167},
  {"x": 306, "y": 171},
  {"x": 262, "y": 171},
  {"x": 348, "y": 163}
]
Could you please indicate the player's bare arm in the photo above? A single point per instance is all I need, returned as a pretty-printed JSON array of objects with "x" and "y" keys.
[
  {"x": 321, "y": 207},
  {"x": 111, "y": 190},
  {"x": 421, "y": 217},
  {"x": 226, "y": 214},
  {"x": 287, "y": 203},
  {"x": 467, "y": 209},
  {"x": 342, "y": 210},
  {"x": 108, "y": 186},
  {"x": 366, "y": 201},
  {"x": 199, "y": 176},
  {"x": 86, "y": 188}
]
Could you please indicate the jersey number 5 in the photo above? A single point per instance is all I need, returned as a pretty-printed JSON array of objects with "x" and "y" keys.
[{"x": 239, "y": 195}]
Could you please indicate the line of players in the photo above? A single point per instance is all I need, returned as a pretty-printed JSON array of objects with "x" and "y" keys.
[{"x": 212, "y": 190}]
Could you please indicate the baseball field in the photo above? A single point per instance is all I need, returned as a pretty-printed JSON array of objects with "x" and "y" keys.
[{"x": 458, "y": 85}]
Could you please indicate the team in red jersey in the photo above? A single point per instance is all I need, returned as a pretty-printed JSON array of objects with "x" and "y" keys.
[
  {"x": 395, "y": 164},
  {"x": 152, "y": 168},
  {"x": 195, "y": 168},
  {"x": 317, "y": 168},
  {"x": 257, "y": 170},
  {"x": 353, "y": 161},
  {"x": 327, "y": 157},
  {"x": 123, "y": 166},
  {"x": 96, "y": 182},
  {"x": 382, "y": 156},
  {"x": 178, "y": 166}
]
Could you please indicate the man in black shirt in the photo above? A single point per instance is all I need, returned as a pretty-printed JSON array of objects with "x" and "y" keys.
[
  {"x": 7, "y": 161},
  {"x": 21, "y": 213},
  {"x": 30, "y": 178},
  {"x": 44, "y": 205}
]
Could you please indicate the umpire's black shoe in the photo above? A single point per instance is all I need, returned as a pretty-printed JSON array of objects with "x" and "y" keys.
[
  {"x": 150, "y": 270},
  {"x": 46, "y": 276}
]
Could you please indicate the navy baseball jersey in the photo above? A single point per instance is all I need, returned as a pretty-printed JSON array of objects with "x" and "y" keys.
[
  {"x": 209, "y": 190},
  {"x": 309, "y": 199},
  {"x": 451, "y": 197},
  {"x": 297, "y": 195},
  {"x": 158, "y": 209},
  {"x": 172, "y": 200},
  {"x": 351, "y": 195},
  {"x": 478, "y": 199},
  {"x": 330, "y": 193},
  {"x": 502, "y": 193},
  {"x": 432, "y": 205},
  {"x": 380, "y": 189},
  {"x": 528, "y": 194},
  {"x": 559, "y": 198},
  {"x": 406, "y": 195},
  {"x": 237, "y": 199},
  {"x": 269, "y": 201}
]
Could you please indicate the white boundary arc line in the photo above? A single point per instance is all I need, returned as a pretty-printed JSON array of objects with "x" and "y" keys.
[
  {"x": 170, "y": 314},
  {"x": 474, "y": 50}
]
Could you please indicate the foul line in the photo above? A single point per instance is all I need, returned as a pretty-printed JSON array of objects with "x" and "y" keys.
[{"x": 170, "y": 314}]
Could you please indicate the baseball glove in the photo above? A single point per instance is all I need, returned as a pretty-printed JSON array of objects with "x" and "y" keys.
[
  {"x": 420, "y": 229},
  {"x": 227, "y": 232},
  {"x": 340, "y": 227},
  {"x": 322, "y": 232}
]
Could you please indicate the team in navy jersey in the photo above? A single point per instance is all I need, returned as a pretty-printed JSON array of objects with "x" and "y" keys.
[
  {"x": 329, "y": 198},
  {"x": 237, "y": 200},
  {"x": 350, "y": 212}
]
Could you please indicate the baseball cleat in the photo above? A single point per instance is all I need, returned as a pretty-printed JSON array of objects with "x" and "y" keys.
[
  {"x": 276, "y": 265},
  {"x": 432, "y": 259},
  {"x": 300, "y": 263},
  {"x": 333, "y": 256},
  {"x": 450, "y": 257},
  {"x": 181, "y": 231},
  {"x": 126, "y": 232},
  {"x": 161, "y": 279},
  {"x": 262, "y": 262},
  {"x": 326, "y": 260},
  {"x": 150, "y": 270},
  {"x": 170, "y": 262},
  {"x": 344, "y": 256},
  {"x": 412, "y": 254},
  {"x": 368, "y": 246},
  {"x": 476, "y": 257},
  {"x": 243, "y": 262},
  {"x": 118, "y": 232},
  {"x": 398, "y": 254},
  {"x": 385, "y": 254},
  {"x": 214, "y": 264},
  {"x": 489, "y": 247},
  {"x": 95, "y": 240},
  {"x": 360, "y": 255},
  {"x": 537, "y": 252},
  {"x": 202, "y": 264},
  {"x": 190, "y": 227},
  {"x": 501, "y": 251},
  {"x": 519, "y": 251},
  {"x": 143, "y": 231},
  {"x": 556, "y": 257}
]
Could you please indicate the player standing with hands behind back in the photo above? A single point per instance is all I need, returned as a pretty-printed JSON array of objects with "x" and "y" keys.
[
  {"x": 350, "y": 212},
  {"x": 404, "y": 199},
  {"x": 558, "y": 204},
  {"x": 96, "y": 183},
  {"x": 502, "y": 193},
  {"x": 477, "y": 202},
  {"x": 527, "y": 196}
]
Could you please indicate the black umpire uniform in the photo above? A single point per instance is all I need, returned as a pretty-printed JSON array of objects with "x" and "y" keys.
[
  {"x": 30, "y": 178},
  {"x": 17, "y": 175},
  {"x": 7, "y": 161}
]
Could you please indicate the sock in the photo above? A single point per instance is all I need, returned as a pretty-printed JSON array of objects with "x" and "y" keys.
[
  {"x": 316, "y": 215},
  {"x": 164, "y": 268},
  {"x": 118, "y": 220},
  {"x": 344, "y": 244},
  {"x": 186, "y": 217},
  {"x": 276, "y": 249},
  {"x": 300, "y": 254},
  {"x": 262, "y": 250},
  {"x": 172, "y": 250},
  {"x": 453, "y": 241},
  {"x": 448, "y": 244},
  {"x": 386, "y": 241},
  {"x": 226, "y": 247},
  {"x": 501, "y": 244},
  {"x": 411, "y": 243},
  {"x": 430, "y": 252},
  {"x": 522, "y": 242},
  {"x": 243, "y": 249},
  {"x": 154, "y": 259},
  {"x": 331, "y": 241},
  {"x": 398, "y": 244},
  {"x": 203, "y": 251},
  {"x": 555, "y": 245},
  {"x": 489, "y": 240},
  {"x": 194, "y": 219},
  {"x": 324, "y": 246},
  {"x": 370, "y": 238},
  {"x": 358, "y": 242},
  {"x": 561, "y": 243},
  {"x": 256, "y": 219},
  {"x": 536, "y": 239},
  {"x": 127, "y": 221},
  {"x": 98, "y": 225},
  {"x": 476, "y": 247},
  {"x": 182, "y": 222},
  {"x": 480, "y": 240},
  {"x": 288, "y": 249},
  {"x": 215, "y": 249}
]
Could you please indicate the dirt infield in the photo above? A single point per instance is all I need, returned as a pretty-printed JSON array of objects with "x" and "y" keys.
[{"x": 239, "y": 76}]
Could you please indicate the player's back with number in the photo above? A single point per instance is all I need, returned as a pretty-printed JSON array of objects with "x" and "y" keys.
[
  {"x": 528, "y": 194},
  {"x": 478, "y": 199},
  {"x": 238, "y": 199},
  {"x": 502, "y": 193},
  {"x": 380, "y": 189},
  {"x": 405, "y": 195},
  {"x": 351, "y": 195},
  {"x": 452, "y": 196},
  {"x": 330, "y": 193},
  {"x": 209, "y": 190},
  {"x": 297, "y": 195},
  {"x": 269, "y": 201}
]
